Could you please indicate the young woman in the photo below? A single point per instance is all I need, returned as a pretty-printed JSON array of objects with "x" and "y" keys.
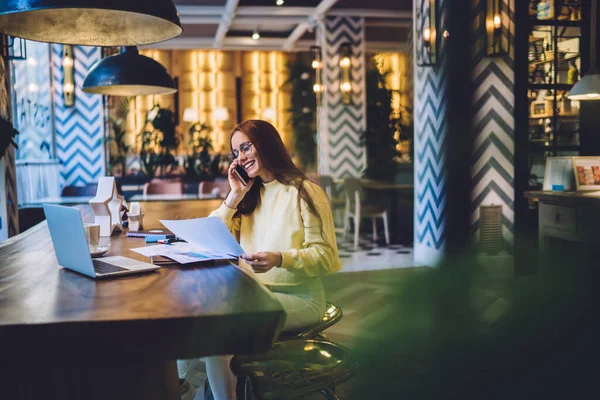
[{"x": 284, "y": 223}]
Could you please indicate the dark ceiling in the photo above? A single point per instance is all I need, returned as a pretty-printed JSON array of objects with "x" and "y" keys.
[{"x": 287, "y": 27}]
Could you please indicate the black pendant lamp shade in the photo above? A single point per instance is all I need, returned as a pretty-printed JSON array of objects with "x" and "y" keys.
[
  {"x": 91, "y": 22},
  {"x": 128, "y": 74}
]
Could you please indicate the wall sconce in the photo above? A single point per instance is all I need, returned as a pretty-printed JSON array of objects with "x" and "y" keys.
[
  {"x": 317, "y": 65},
  {"x": 497, "y": 35},
  {"x": 220, "y": 115},
  {"x": 270, "y": 114},
  {"x": 69, "y": 81},
  {"x": 13, "y": 48},
  {"x": 426, "y": 33},
  {"x": 345, "y": 72},
  {"x": 190, "y": 115}
]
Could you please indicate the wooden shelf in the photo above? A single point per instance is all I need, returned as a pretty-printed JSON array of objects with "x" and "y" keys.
[
  {"x": 552, "y": 22},
  {"x": 550, "y": 86},
  {"x": 566, "y": 116},
  {"x": 551, "y": 60}
]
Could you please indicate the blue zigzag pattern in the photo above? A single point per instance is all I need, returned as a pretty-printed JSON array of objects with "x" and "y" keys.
[
  {"x": 430, "y": 138},
  {"x": 79, "y": 129}
]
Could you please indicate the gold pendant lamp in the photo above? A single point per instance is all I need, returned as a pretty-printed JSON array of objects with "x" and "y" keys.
[{"x": 91, "y": 22}]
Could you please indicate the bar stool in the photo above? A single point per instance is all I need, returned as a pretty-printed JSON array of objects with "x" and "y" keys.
[
  {"x": 298, "y": 363},
  {"x": 295, "y": 368}
]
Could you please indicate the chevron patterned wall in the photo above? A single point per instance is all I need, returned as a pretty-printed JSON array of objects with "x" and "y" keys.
[
  {"x": 80, "y": 128},
  {"x": 341, "y": 153},
  {"x": 430, "y": 137},
  {"x": 493, "y": 124}
]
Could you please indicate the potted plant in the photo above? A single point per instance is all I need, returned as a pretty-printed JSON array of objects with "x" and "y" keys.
[
  {"x": 304, "y": 108},
  {"x": 381, "y": 137},
  {"x": 198, "y": 163},
  {"x": 157, "y": 140},
  {"x": 117, "y": 161}
]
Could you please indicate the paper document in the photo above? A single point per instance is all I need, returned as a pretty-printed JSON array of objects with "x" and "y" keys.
[
  {"x": 182, "y": 253},
  {"x": 205, "y": 233}
]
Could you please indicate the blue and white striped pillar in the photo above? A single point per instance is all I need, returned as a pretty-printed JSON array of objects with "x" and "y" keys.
[{"x": 340, "y": 152}]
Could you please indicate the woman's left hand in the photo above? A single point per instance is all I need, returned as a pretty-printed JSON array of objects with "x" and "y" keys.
[{"x": 263, "y": 261}]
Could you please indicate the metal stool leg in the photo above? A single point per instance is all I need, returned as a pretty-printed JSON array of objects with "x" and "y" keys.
[{"x": 329, "y": 394}]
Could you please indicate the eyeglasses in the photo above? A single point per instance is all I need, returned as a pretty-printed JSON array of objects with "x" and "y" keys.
[{"x": 245, "y": 148}]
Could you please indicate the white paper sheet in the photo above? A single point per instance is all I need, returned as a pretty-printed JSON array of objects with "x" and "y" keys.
[
  {"x": 205, "y": 233},
  {"x": 182, "y": 253}
]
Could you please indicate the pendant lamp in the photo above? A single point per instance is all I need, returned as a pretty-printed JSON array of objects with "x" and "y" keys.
[
  {"x": 588, "y": 88},
  {"x": 128, "y": 74},
  {"x": 91, "y": 22}
]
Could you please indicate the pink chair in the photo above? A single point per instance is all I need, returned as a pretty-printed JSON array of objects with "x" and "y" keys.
[
  {"x": 217, "y": 189},
  {"x": 160, "y": 187}
]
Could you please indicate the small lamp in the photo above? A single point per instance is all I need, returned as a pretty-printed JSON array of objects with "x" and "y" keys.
[
  {"x": 345, "y": 73},
  {"x": 497, "y": 35},
  {"x": 427, "y": 36},
  {"x": 588, "y": 88},
  {"x": 317, "y": 65},
  {"x": 69, "y": 77}
]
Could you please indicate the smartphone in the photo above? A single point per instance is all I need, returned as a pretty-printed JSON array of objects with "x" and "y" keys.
[{"x": 241, "y": 174}]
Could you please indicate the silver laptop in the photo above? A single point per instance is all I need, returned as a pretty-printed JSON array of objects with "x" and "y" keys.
[{"x": 72, "y": 251}]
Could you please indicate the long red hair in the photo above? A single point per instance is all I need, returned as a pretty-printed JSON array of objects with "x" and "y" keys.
[{"x": 275, "y": 158}]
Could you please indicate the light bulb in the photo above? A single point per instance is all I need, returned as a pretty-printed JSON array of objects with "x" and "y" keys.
[
  {"x": 317, "y": 88},
  {"x": 427, "y": 34},
  {"x": 67, "y": 62},
  {"x": 346, "y": 87},
  {"x": 445, "y": 34},
  {"x": 345, "y": 62},
  {"x": 316, "y": 64},
  {"x": 592, "y": 95},
  {"x": 69, "y": 87},
  {"x": 497, "y": 21},
  {"x": 279, "y": 2},
  {"x": 256, "y": 35}
]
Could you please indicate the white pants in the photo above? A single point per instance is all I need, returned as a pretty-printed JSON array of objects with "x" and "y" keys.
[{"x": 304, "y": 306}]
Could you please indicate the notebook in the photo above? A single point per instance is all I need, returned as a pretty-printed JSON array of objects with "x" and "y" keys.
[{"x": 72, "y": 251}]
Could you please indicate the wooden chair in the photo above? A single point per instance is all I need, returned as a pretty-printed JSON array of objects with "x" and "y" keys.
[
  {"x": 162, "y": 187},
  {"x": 337, "y": 204},
  {"x": 208, "y": 189},
  {"x": 87, "y": 190},
  {"x": 356, "y": 209}
]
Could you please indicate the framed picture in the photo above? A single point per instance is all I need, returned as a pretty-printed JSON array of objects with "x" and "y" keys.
[
  {"x": 587, "y": 172},
  {"x": 559, "y": 174}
]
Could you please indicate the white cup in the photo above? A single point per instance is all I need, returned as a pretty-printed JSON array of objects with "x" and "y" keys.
[{"x": 92, "y": 235}]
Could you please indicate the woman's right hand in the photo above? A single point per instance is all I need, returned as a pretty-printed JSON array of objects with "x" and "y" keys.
[{"x": 238, "y": 189}]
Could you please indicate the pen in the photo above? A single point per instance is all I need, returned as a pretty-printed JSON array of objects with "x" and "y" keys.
[{"x": 165, "y": 241}]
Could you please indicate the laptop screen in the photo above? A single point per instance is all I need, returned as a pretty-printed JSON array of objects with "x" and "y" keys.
[{"x": 68, "y": 238}]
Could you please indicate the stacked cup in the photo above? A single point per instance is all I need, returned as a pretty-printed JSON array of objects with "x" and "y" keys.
[{"x": 92, "y": 234}]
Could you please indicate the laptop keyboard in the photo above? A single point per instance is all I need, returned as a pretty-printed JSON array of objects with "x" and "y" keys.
[{"x": 103, "y": 267}]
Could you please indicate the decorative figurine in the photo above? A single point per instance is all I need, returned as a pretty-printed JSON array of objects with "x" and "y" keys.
[
  {"x": 136, "y": 217},
  {"x": 106, "y": 206}
]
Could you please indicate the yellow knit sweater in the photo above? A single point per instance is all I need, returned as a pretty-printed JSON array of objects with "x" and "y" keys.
[{"x": 283, "y": 223}]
